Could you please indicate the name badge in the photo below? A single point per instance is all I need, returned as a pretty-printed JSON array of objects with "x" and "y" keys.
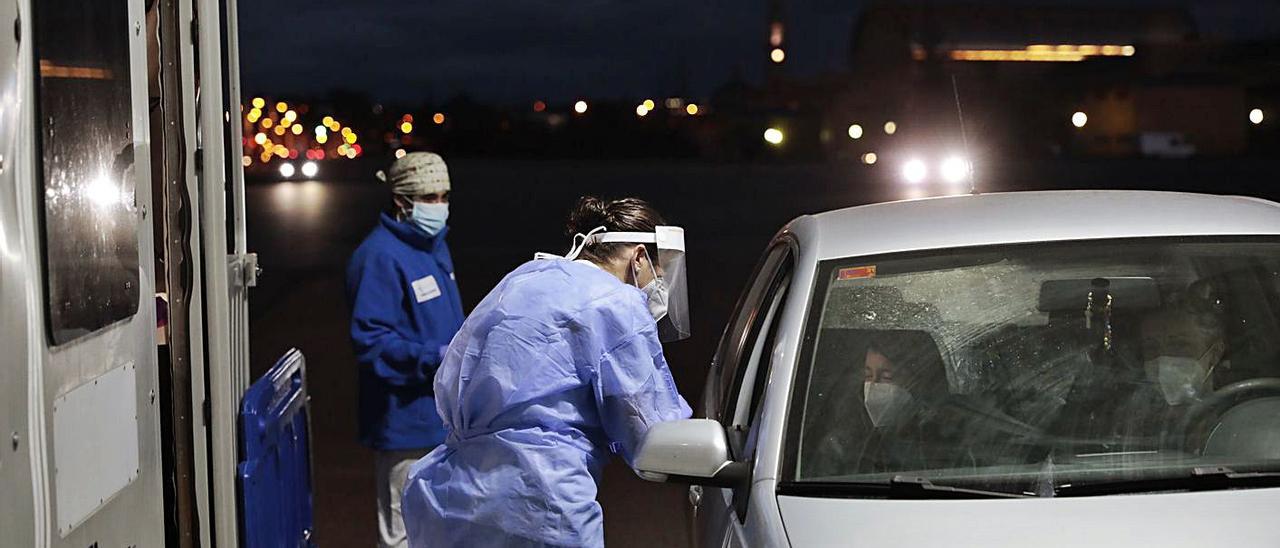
[{"x": 425, "y": 289}]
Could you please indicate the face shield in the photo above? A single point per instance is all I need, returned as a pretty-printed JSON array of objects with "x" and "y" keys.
[{"x": 668, "y": 242}]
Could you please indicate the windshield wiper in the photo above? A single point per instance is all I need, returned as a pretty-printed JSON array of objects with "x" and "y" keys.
[
  {"x": 898, "y": 487},
  {"x": 1206, "y": 478}
]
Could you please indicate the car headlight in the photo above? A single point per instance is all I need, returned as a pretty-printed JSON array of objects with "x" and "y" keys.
[
  {"x": 955, "y": 169},
  {"x": 914, "y": 171}
]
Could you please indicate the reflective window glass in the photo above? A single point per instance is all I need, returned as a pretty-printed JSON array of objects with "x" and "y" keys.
[{"x": 85, "y": 137}]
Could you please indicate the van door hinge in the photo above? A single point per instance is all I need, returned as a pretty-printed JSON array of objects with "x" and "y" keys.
[{"x": 243, "y": 270}]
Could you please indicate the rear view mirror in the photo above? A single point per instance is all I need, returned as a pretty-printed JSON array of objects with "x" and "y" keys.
[{"x": 689, "y": 451}]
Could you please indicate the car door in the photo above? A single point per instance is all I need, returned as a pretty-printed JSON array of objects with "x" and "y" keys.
[{"x": 736, "y": 388}]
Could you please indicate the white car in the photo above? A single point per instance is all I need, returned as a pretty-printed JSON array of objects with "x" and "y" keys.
[{"x": 1032, "y": 369}]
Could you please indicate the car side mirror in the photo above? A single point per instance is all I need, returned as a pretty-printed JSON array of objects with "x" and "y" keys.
[{"x": 693, "y": 451}]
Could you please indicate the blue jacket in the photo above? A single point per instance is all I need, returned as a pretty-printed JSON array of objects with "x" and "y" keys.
[{"x": 405, "y": 309}]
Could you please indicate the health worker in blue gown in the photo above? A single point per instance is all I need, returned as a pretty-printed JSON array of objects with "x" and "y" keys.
[{"x": 559, "y": 366}]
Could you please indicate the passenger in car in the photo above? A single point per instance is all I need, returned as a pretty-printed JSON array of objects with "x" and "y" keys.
[{"x": 885, "y": 401}]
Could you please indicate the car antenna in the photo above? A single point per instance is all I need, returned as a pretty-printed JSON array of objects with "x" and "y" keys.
[{"x": 964, "y": 137}]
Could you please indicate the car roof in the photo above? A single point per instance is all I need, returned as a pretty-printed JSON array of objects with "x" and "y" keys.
[{"x": 1023, "y": 217}]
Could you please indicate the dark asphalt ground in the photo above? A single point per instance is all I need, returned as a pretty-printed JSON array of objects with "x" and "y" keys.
[{"x": 504, "y": 211}]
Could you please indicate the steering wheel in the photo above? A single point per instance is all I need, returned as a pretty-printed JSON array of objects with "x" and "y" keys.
[{"x": 1225, "y": 398}]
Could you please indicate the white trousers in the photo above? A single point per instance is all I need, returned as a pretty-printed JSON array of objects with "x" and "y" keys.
[{"x": 391, "y": 470}]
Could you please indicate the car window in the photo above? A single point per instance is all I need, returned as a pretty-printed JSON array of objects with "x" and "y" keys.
[
  {"x": 90, "y": 218},
  {"x": 1026, "y": 368},
  {"x": 735, "y": 346},
  {"x": 756, "y": 367},
  {"x": 745, "y": 426}
]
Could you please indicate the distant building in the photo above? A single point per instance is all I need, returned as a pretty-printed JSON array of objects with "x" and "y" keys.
[{"x": 1023, "y": 72}]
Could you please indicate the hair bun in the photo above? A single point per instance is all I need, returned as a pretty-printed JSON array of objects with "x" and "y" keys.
[{"x": 591, "y": 212}]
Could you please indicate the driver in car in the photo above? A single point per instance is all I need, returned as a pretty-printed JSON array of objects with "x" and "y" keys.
[
  {"x": 1183, "y": 360},
  {"x": 1183, "y": 346}
]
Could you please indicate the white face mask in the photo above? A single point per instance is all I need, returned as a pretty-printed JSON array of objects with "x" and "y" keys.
[
  {"x": 1181, "y": 379},
  {"x": 886, "y": 402},
  {"x": 655, "y": 291}
]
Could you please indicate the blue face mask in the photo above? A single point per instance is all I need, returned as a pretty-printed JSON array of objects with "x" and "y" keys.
[{"x": 429, "y": 218}]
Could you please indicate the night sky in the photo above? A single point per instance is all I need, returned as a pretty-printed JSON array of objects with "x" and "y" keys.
[{"x": 511, "y": 51}]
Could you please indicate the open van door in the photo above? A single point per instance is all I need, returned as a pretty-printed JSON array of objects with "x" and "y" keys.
[{"x": 229, "y": 270}]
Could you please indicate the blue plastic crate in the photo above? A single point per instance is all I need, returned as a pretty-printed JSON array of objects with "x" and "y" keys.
[{"x": 275, "y": 468}]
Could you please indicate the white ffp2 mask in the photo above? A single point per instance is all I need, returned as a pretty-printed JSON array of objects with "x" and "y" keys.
[
  {"x": 886, "y": 402},
  {"x": 1181, "y": 379},
  {"x": 655, "y": 291}
]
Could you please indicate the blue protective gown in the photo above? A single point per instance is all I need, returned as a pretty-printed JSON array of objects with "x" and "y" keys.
[
  {"x": 558, "y": 366},
  {"x": 405, "y": 309}
]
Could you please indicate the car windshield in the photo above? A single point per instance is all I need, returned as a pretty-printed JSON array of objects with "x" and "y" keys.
[{"x": 1032, "y": 368}]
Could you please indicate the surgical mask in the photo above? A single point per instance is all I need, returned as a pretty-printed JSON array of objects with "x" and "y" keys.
[
  {"x": 886, "y": 402},
  {"x": 655, "y": 291},
  {"x": 429, "y": 218},
  {"x": 1181, "y": 378}
]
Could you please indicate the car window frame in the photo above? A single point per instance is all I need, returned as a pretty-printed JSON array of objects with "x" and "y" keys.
[
  {"x": 727, "y": 363},
  {"x": 824, "y": 276}
]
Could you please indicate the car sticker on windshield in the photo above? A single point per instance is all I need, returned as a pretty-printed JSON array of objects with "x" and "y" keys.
[{"x": 856, "y": 273}]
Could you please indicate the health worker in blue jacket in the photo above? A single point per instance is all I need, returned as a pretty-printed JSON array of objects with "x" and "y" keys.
[
  {"x": 559, "y": 366},
  {"x": 405, "y": 309}
]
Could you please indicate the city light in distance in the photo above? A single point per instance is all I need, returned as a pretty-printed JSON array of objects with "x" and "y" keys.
[
  {"x": 539, "y": 106},
  {"x": 648, "y": 104},
  {"x": 773, "y": 136},
  {"x": 406, "y": 128},
  {"x": 855, "y": 131},
  {"x": 914, "y": 171},
  {"x": 1256, "y": 116},
  {"x": 692, "y": 109},
  {"x": 281, "y": 107},
  {"x": 246, "y": 161},
  {"x": 777, "y": 55},
  {"x": 260, "y": 138},
  {"x": 1043, "y": 53},
  {"x": 259, "y": 103},
  {"x": 580, "y": 107},
  {"x": 890, "y": 127},
  {"x": 1079, "y": 119},
  {"x": 400, "y": 153},
  {"x": 869, "y": 158},
  {"x": 438, "y": 118},
  {"x": 296, "y": 129},
  {"x": 291, "y": 116},
  {"x": 641, "y": 111}
]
